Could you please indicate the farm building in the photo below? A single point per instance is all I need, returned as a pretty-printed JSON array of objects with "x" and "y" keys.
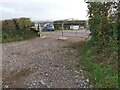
[{"x": 69, "y": 24}]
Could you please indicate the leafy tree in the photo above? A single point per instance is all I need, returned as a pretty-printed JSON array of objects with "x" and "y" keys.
[
  {"x": 24, "y": 23},
  {"x": 102, "y": 20},
  {"x": 8, "y": 25}
]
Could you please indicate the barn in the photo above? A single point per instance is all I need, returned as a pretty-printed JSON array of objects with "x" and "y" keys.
[{"x": 69, "y": 24}]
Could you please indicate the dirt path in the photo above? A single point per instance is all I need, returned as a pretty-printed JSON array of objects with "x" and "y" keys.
[{"x": 42, "y": 63}]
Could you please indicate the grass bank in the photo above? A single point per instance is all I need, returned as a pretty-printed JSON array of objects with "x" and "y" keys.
[
  {"x": 17, "y": 35},
  {"x": 101, "y": 67}
]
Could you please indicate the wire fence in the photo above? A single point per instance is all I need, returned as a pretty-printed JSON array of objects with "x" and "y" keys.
[{"x": 67, "y": 33}]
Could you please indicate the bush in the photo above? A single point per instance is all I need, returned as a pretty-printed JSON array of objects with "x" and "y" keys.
[
  {"x": 17, "y": 35},
  {"x": 17, "y": 30}
]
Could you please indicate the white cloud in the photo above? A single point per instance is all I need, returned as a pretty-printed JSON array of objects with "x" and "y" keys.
[
  {"x": 5, "y": 9},
  {"x": 25, "y": 1},
  {"x": 44, "y": 9},
  {"x": 8, "y": 1}
]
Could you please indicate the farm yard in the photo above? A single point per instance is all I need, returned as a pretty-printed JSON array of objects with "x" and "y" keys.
[
  {"x": 52, "y": 49},
  {"x": 43, "y": 62}
]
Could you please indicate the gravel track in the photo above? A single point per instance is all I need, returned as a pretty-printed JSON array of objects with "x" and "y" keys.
[{"x": 43, "y": 62}]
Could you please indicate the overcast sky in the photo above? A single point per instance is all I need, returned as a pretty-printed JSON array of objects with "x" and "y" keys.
[{"x": 43, "y": 9}]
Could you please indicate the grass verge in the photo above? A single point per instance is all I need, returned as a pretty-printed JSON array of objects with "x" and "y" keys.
[{"x": 101, "y": 67}]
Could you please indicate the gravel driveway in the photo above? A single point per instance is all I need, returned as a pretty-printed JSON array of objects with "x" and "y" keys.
[{"x": 43, "y": 62}]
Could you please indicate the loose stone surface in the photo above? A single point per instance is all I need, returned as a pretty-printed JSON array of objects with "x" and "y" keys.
[{"x": 42, "y": 63}]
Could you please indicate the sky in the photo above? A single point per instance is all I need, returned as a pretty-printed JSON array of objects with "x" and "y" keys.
[{"x": 43, "y": 9}]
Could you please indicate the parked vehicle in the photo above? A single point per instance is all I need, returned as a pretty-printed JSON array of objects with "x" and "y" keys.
[
  {"x": 48, "y": 27},
  {"x": 35, "y": 27},
  {"x": 74, "y": 27}
]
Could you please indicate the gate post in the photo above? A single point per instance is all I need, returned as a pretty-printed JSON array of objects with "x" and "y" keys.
[
  {"x": 62, "y": 29},
  {"x": 39, "y": 28}
]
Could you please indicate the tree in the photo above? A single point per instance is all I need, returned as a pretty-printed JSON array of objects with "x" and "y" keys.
[
  {"x": 24, "y": 23},
  {"x": 102, "y": 20},
  {"x": 8, "y": 25}
]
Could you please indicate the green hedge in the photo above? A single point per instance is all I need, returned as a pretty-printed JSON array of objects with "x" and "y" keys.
[
  {"x": 17, "y": 30},
  {"x": 17, "y": 35}
]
